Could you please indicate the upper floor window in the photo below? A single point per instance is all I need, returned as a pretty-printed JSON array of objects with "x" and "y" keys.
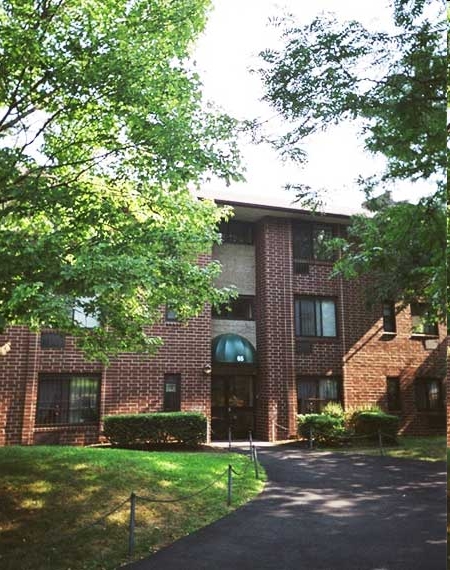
[
  {"x": 52, "y": 339},
  {"x": 240, "y": 309},
  {"x": 389, "y": 324},
  {"x": 171, "y": 315},
  {"x": 234, "y": 231},
  {"x": 420, "y": 322},
  {"x": 315, "y": 317},
  {"x": 309, "y": 241},
  {"x": 82, "y": 316},
  {"x": 67, "y": 399}
]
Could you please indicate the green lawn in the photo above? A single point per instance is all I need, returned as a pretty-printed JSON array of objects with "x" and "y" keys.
[
  {"x": 432, "y": 448},
  {"x": 48, "y": 495}
]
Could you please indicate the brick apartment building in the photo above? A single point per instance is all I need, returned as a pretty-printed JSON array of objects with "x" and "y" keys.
[{"x": 293, "y": 340}]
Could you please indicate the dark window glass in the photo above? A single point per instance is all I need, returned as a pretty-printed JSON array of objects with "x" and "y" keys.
[
  {"x": 171, "y": 315},
  {"x": 237, "y": 232},
  {"x": 429, "y": 394},
  {"x": 420, "y": 324},
  {"x": 66, "y": 399},
  {"x": 315, "y": 393},
  {"x": 52, "y": 340},
  {"x": 241, "y": 308},
  {"x": 393, "y": 393},
  {"x": 315, "y": 317},
  {"x": 172, "y": 393},
  {"x": 389, "y": 317},
  {"x": 309, "y": 243}
]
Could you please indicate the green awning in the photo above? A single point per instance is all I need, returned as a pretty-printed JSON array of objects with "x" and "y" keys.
[{"x": 233, "y": 349}]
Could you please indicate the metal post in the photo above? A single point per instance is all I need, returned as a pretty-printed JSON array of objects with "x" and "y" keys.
[
  {"x": 311, "y": 439},
  {"x": 132, "y": 524},
  {"x": 255, "y": 459},
  {"x": 229, "y": 438},
  {"x": 250, "y": 439},
  {"x": 380, "y": 442},
  {"x": 230, "y": 484}
]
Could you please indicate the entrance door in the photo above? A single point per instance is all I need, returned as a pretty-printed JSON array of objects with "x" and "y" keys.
[{"x": 232, "y": 405}]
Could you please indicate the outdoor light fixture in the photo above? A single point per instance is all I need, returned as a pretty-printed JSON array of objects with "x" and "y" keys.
[
  {"x": 207, "y": 369},
  {"x": 5, "y": 349}
]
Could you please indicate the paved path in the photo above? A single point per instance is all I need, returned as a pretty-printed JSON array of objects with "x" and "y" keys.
[{"x": 325, "y": 511}]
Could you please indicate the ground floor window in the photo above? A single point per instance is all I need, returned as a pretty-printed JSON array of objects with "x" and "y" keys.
[
  {"x": 393, "y": 394},
  {"x": 315, "y": 393},
  {"x": 67, "y": 399},
  {"x": 172, "y": 393},
  {"x": 429, "y": 394}
]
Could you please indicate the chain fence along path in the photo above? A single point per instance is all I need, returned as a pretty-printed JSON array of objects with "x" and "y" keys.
[{"x": 325, "y": 511}]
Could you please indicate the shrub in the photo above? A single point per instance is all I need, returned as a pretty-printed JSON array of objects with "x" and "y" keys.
[
  {"x": 351, "y": 413},
  {"x": 145, "y": 430},
  {"x": 326, "y": 429},
  {"x": 369, "y": 422},
  {"x": 333, "y": 409}
]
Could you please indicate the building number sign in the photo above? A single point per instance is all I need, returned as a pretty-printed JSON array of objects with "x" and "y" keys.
[{"x": 240, "y": 358}]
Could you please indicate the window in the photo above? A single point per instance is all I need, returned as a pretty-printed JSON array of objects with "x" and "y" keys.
[
  {"x": 419, "y": 319},
  {"x": 171, "y": 315},
  {"x": 429, "y": 394},
  {"x": 67, "y": 399},
  {"x": 241, "y": 308},
  {"x": 389, "y": 324},
  {"x": 393, "y": 393},
  {"x": 315, "y": 317},
  {"x": 172, "y": 396},
  {"x": 309, "y": 243},
  {"x": 315, "y": 393},
  {"x": 237, "y": 232},
  {"x": 82, "y": 315},
  {"x": 52, "y": 339}
]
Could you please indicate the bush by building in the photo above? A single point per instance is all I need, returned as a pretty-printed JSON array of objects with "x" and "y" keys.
[
  {"x": 324, "y": 428},
  {"x": 334, "y": 426},
  {"x": 156, "y": 429},
  {"x": 369, "y": 423}
]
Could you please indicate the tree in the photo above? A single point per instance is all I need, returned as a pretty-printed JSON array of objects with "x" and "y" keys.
[
  {"x": 102, "y": 134},
  {"x": 393, "y": 84}
]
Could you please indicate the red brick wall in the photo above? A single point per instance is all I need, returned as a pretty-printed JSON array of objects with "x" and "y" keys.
[
  {"x": 132, "y": 383},
  {"x": 276, "y": 390},
  {"x": 361, "y": 355},
  {"x": 371, "y": 356}
]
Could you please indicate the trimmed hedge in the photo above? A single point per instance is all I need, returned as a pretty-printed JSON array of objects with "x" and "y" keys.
[
  {"x": 369, "y": 422},
  {"x": 326, "y": 429},
  {"x": 146, "y": 430}
]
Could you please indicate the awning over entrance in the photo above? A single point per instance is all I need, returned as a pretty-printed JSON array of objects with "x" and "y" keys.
[{"x": 233, "y": 349}]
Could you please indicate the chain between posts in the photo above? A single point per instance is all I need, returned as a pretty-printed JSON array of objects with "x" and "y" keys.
[{"x": 378, "y": 433}]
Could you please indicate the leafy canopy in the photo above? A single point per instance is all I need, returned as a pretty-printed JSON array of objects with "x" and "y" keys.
[
  {"x": 394, "y": 85},
  {"x": 103, "y": 131}
]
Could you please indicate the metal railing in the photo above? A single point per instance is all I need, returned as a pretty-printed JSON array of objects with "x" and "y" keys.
[{"x": 367, "y": 436}]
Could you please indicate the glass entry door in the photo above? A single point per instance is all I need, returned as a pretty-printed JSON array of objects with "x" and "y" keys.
[{"x": 232, "y": 405}]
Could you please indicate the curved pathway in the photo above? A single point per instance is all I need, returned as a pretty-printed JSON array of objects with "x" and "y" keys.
[{"x": 325, "y": 511}]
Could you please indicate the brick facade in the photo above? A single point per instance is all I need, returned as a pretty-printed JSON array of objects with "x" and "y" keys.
[{"x": 361, "y": 355}]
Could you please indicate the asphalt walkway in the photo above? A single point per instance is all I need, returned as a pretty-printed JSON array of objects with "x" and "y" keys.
[{"x": 325, "y": 511}]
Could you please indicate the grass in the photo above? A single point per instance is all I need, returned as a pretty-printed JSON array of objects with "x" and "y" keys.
[
  {"x": 431, "y": 448},
  {"x": 48, "y": 495}
]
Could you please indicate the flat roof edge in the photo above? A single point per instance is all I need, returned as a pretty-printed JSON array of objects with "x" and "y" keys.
[{"x": 280, "y": 209}]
